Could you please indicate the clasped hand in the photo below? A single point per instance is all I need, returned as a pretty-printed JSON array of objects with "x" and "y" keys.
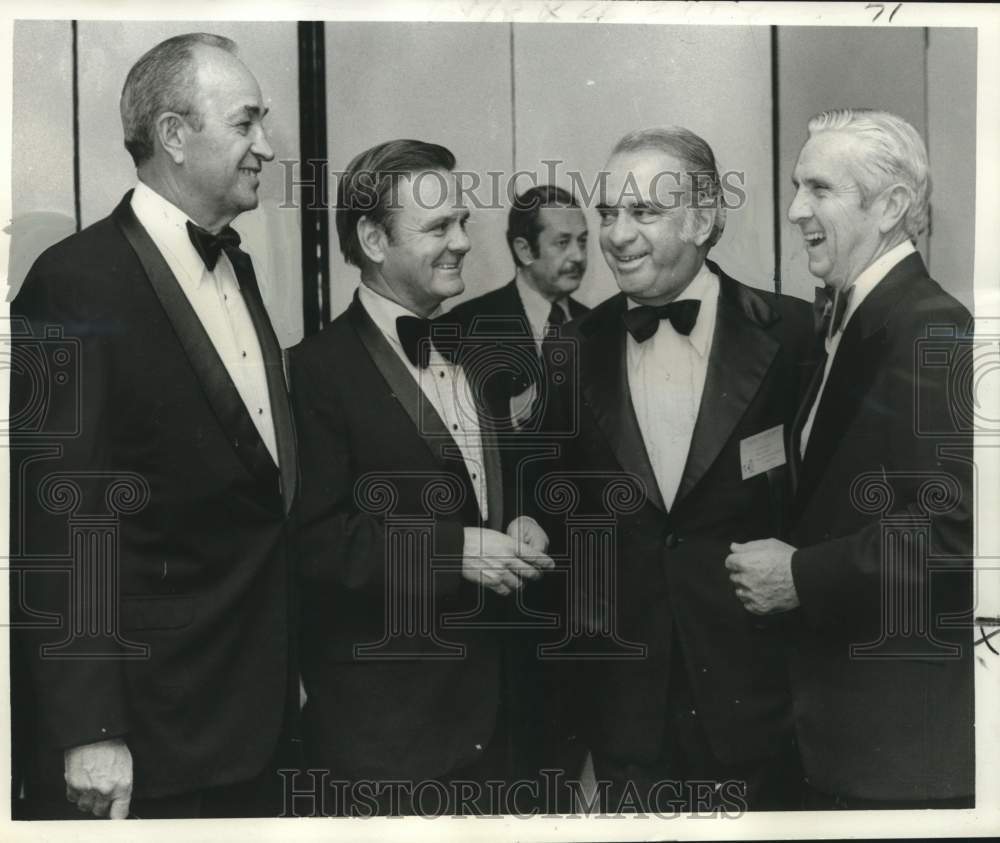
[{"x": 503, "y": 562}]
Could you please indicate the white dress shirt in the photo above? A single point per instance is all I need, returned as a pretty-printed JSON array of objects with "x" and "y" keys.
[
  {"x": 217, "y": 302},
  {"x": 867, "y": 281},
  {"x": 441, "y": 383},
  {"x": 538, "y": 308},
  {"x": 666, "y": 378}
]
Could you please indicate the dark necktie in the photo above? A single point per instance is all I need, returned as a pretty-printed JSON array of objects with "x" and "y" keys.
[
  {"x": 209, "y": 246},
  {"x": 829, "y": 308},
  {"x": 642, "y": 322},
  {"x": 557, "y": 318},
  {"x": 417, "y": 335}
]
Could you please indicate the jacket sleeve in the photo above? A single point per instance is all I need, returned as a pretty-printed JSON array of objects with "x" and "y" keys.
[
  {"x": 62, "y": 458},
  {"x": 340, "y": 544}
]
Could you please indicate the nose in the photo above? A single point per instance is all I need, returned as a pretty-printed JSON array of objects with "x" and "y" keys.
[
  {"x": 622, "y": 230},
  {"x": 261, "y": 146},
  {"x": 578, "y": 255},
  {"x": 459, "y": 241},
  {"x": 799, "y": 209}
]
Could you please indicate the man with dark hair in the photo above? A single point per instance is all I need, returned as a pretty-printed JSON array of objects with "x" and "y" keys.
[
  {"x": 878, "y": 563},
  {"x": 547, "y": 237},
  {"x": 686, "y": 380},
  {"x": 167, "y": 686},
  {"x": 407, "y": 550}
]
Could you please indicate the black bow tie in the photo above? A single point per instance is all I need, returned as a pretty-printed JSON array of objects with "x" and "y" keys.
[
  {"x": 209, "y": 245},
  {"x": 416, "y": 336},
  {"x": 642, "y": 322},
  {"x": 829, "y": 307}
]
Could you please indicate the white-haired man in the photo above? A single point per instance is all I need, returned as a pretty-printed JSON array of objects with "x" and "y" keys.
[{"x": 881, "y": 663}]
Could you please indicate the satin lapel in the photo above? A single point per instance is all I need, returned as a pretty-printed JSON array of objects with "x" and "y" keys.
[
  {"x": 604, "y": 373},
  {"x": 739, "y": 358},
  {"x": 277, "y": 385},
  {"x": 854, "y": 368},
  {"x": 855, "y": 365},
  {"x": 494, "y": 473},
  {"x": 219, "y": 388},
  {"x": 403, "y": 387}
]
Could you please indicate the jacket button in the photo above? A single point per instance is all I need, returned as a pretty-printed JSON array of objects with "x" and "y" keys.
[{"x": 671, "y": 541}]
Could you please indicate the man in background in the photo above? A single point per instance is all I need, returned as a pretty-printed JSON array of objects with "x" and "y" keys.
[
  {"x": 883, "y": 698},
  {"x": 168, "y": 687}
]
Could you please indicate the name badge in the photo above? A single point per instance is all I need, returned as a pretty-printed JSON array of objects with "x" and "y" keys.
[
  {"x": 762, "y": 452},
  {"x": 521, "y": 406}
]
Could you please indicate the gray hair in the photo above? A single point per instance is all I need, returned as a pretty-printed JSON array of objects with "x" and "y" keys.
[
  {"x": 696, "y": 157},
  {"x": 162, "y": 80},
  {"x": 893, "y": 153}
]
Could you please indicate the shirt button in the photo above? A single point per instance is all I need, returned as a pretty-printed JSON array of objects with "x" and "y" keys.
[
  {"x": 260, "y": 411},
  {"x": 225, "y": 297},
  {"x": 667, "y": 376},
  {"x": 473, "y": 476},
  {"x": 454, "y": 427},
  {"x": 243, "y": 353},
  {"x": 441, "y": 374}
]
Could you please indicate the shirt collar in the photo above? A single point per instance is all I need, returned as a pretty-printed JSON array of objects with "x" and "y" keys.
[
  {"x": 167, "y": 224},
  {"x": 384, "y": 312},
  {"x": 537, "y": 307},
  {"x": 704, "y": 287},
  {"x": 870, "y": 277}
]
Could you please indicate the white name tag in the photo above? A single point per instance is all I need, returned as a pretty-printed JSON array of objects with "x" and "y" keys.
[
  {"x": 521, "y": 405},
  {"x": 762, "y": 452}
]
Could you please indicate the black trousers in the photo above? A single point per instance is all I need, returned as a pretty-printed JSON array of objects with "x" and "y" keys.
[
  {"x": 817, "y": 800},
  {"x": 688, "y": 778}
]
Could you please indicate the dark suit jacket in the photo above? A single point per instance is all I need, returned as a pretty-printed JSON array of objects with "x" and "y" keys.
[
  {"x": 382, "y": 517},
  {"x": 893, "y": 722},
  {"x": 657, "y": 586},
  {"x": 537, "y": 701},
  {"x": 192, "y": 663}
]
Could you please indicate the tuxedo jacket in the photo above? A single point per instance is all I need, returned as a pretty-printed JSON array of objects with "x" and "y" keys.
[
  {"x": 400, "y": 665},
  {"x": 150, "y": 522},
  {"x": 657, "y": 588},
  {"x": 888, "y": 463},
  {"x": 505, "y": 310}
]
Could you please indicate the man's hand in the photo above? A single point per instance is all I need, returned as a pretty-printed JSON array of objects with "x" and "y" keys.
[
  {"x": 526, "y": 530},
  {"x": 761, "y": 570},
  {"x": 99, "y": 777},
  {"x": 499, "y": 562}
]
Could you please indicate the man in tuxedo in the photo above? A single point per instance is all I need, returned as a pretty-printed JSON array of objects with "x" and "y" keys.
[
  {"x": 686, "y": 380},
  {"x": 402, "y": 513},
  {"x": 547, "y": 237},
  {"x": 157, "y": 636},
  {"x": 881, "y": 522}
]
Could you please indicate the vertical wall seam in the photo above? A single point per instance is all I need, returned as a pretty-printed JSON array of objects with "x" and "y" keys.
[
  {"x": 775, "y": 160},
  {"x": 76, "y": 126},
  {"x": 513, "y": 106}
]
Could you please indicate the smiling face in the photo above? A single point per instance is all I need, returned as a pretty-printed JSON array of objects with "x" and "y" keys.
[
  {"x": 420, "y": 254},
  {"x": 220, "y": 172},
  {"x": 644, "y": 215},
  {"x": 842, "y": 236},
  {"x": 560, "y": 258}
]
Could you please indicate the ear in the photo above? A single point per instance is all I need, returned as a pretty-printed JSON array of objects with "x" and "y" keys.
[
  {"x": 373, "y": 239},
  {"x": 171, "y": 133},
  {"x": 895, "y": 202},
  {"x": 700, "y": 223},
  {"x": 522, "y": 248}
]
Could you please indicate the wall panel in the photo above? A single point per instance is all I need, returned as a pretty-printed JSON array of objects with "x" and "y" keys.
[{"x": 42, "y": 140}]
